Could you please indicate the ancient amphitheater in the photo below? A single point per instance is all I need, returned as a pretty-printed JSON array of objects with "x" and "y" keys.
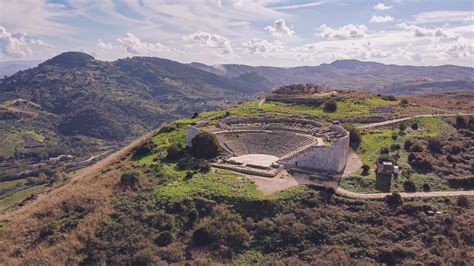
[{"x": 265, "y": 145}]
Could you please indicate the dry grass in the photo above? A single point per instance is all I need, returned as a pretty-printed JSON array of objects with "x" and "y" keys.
[
  {"x": 17, "y": 238},
  {"x": 462, "y": 100}
]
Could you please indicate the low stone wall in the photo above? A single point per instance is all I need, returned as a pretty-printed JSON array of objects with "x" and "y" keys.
[{"x": 331, "y": 158}]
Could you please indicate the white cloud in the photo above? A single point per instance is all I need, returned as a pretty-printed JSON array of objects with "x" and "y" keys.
[
  {"x": 215, "y": 41},
  {"x": 104, "y": 45},
  {"x": 279, "y": 29},
  {"x": 382, "y": 6},
  {"x": 296, "y": 6},
  {"x": 425, "y": 32},
  {"x": 443, "y": 16},
  {"x": 348, "y": 31},
  {"x": 381, "y": 19},
  {"x": 257, "y": 46},
  {"x": 134, "y": 45},
  {"x": 19, "y": 45}
]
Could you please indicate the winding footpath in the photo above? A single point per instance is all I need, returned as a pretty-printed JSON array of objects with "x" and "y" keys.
[
  {"x": 394, "y": 121},
  {"x": 349, "y": 194}
]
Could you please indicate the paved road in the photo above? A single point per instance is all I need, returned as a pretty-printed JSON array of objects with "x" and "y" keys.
[
  {"x": 394, "y": 121},
  {"x": 346, "y": 193}
]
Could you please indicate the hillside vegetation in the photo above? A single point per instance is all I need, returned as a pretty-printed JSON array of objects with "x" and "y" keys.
[{"x": 161, "y": 204}]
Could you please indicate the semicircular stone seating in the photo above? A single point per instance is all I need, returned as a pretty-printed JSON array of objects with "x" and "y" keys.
[{"x": 279, "y": 143}]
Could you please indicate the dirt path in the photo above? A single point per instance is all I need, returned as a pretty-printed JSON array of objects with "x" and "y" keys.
[
  {"x": 346, "y": 193},
  {"x": 394, "y": 121}
]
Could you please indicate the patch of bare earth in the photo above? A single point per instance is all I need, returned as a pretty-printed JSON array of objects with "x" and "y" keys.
[{"x": 51, "y": 228}]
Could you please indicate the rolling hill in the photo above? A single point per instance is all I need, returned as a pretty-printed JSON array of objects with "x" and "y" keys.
[
  {"x": 78, "y": 104},
  {"x": 360, "y": 75}
]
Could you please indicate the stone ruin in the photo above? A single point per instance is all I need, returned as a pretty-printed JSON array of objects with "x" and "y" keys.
[{"x": 262, "y": 145}]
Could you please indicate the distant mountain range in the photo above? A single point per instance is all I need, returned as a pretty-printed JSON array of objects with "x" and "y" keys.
[{"x": 359, "y": 75}]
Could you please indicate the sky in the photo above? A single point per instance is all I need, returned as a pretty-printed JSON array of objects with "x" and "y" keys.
[{"x": 255, "y": 32}]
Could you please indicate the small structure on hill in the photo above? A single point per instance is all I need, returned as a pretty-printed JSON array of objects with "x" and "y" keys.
[
  {"x": 386, "y": 168},
  {"x": 309, "y": 94}
]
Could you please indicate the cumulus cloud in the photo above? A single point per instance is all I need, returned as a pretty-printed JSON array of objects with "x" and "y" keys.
[
  {"x": 134, "y": 45},
  {"x": 425, "y": 32},
  {"x": 382, "y": 6},
  {"x": 257, "y": 46},
  {"x": 104, "y": 45},
  {"x": 349, "y": 31},
  {"x": 279, "y": 29},
  {"x": 381, "y": 19},
  {"x": 215, "y": 41},
  {"x": 19, "y": 45}
]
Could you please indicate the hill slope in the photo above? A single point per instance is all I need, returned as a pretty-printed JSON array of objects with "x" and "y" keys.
[
  {"x": 75, "y": 101},
  {"x": 355, "y": 74}
]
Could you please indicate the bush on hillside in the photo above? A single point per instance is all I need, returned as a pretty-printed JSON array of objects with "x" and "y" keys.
[
  {"x": 330, "y": 106},
  {"x": 419, "y": 161},
  {"x": 426, "y": 187},
  {"x": 394, "y": 136},
  {"x": 414, "y": 126},
  {"x": 402, "y": 127},
  {"x": 409, "y": 186},
  {"x": 407, "y": 144},
  {"x": 461, "y": 122},
  {"x": 174, "y": 152},
  {"x": 205, "y": 145},
  {"x": 393, "y": 200},
  {"x": 462, "y": 201},
  {"x": 404, "y": 102},
  {"x": 383, "y": 150},
  {"x": 395, "y": 147},
  {"x": 130, "y": 179},
  {"x": 355, "y": 137},
  {"x": 365, "y": 169},
  {"x": 435, "y": 145},
  {"x": 144, "y": 149},
  {"x": 416, "y": 147}
]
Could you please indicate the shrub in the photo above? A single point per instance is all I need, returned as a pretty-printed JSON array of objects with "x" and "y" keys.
[
  {"x": 205, "y": 145},
  {"x": 419, "y": 161},
  {"x": 407, "y": 144},
  {"x": 395, "y": 147},
  {"x": 188, "y": 175},
  {"x": 174, "y": 152},
  {"x": 416, "y": 147},
  {"x": 461, "y": 122},
  {"x": 130, "y": 179},
  {"x": 384, "y": 150},
  {"x": 404, "y": 102},
  {"x": 463, "y": 202},
  {"x": 330, "y": 106},
  {"x": 164, "y": 238},
  {"x": 414, "y": 126},
  {"x": 409, "y": 186},
  {"x": 389, "y": 98},
  {"x": 435, "y": 145},
  {"x": 394, "y": 136},
  {"x": 455, "y": 149},
  {"x": 195, "y": 115},
  {"x": 426, "y": 187},
  {"x": 393, "y": 200},
  {"x": 204, "y": 167},
  {"x": 365, "y": 169},
  {"x": 144, "y": 149},
  {"x": 355, "y": 137},
  {"x": 167, "y": 128},
  {"x": 402, "y": 127}
]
